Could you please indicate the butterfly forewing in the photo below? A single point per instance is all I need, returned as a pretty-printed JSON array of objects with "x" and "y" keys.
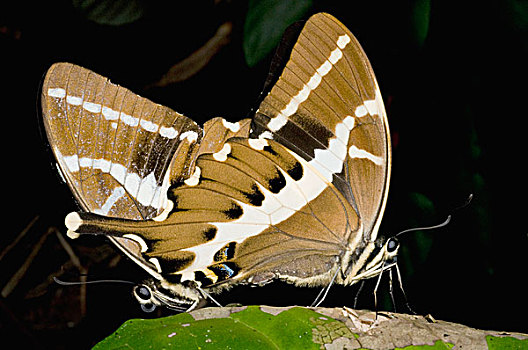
[
  {"x": 113, "y": 146},
  {"x": 117, "y": 151},
  {"x": 326, "y": 107}
]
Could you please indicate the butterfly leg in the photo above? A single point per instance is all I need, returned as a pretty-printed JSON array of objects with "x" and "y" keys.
[
  {"x": 318, "y": 296},
  {"x": 207, "y": 295},
  {"x": 319, "y": 299},
  {"x": 391, "y": 291},
  {"x": 357, "y": 293},
  {"x": 407, "y": 305},
  {"x": 376, "y": 289}
]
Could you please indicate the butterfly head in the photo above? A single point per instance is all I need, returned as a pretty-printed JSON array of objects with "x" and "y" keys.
[
  {"x": 153, "y": 293},
  {"x": 390, "y": 251},
  {"x": 374, "y": 258},
  {"x": 384, "y": 256}
]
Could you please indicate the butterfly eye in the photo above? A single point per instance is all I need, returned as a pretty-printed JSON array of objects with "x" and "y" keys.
[
  {"x": 148, "y": 307},
  {"x": 144, "y": 295},
  {"x": 392, "y": 245},
  {"x": 142, "y": 292}
]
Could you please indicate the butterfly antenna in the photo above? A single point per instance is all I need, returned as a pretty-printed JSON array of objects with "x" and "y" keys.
[
  {"x": 466, "y": 203},
  {"x": 445, "y": 223},
  {"x": 78, "y": 283}
]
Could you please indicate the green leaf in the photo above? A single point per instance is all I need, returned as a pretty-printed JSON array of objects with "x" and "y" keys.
[
  {"x": 266, "y": 21},
  {"x": 438, "y": 345},
  {"x": 251, "y": 328},
  {"x": 421, "y": 15},
  {"x": 110, "y": 12},
  {"x": 506, "y": 343}
]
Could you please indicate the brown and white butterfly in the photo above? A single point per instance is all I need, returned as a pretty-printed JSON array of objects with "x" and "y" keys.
[{"x": 297, "y": 193}]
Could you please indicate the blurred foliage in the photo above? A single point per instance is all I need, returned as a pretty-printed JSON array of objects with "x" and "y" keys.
[
  {"x": 111, "y": 12},
  {"x": 422, "y": 202},
  {"x": 519, "y": 13},
  {"x": 265, "y": 23},
  {"x": 421, "y": 14},
  {"x": 424, "y": 240}
]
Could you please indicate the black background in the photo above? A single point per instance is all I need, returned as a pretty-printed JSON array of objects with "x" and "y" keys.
[{"x": 456, "y": 106}]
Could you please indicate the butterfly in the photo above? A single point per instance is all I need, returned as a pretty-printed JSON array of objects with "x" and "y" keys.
[{"x": 295, "y": 193}]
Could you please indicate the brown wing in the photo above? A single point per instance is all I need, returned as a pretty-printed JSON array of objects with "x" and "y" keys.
[
  {"x": 217, "y": 131},
  {"x": 118, "y": 151},
  {"x": 255, "y": 208},
  {"x": 326, "y": 107},
  {"x": 298, "y": 206}
]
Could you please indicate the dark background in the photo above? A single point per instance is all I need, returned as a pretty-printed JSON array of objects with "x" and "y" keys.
[{"x": 453, "y": 77}]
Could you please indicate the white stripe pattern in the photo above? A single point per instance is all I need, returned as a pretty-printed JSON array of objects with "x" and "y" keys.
[
  {"x": 275, "y": 208},
  {"x": 113, "y": 115},
  {"x": 371, "y": 107},
  {"x": 354, "y": 152},
  {"x": 330, "y": 161},
  {"x": 144, "y": 189},
  {"x": 117, "y": 193},
  {"x": 221, "y": 155},
  {"x": 191, "y": 136},
  {"x": 281, "y": 119},
  {"x": 234, "y": 127},
  {"x": 57, "y": 92},
  {"x": 74, "y": 100},
  {"x": 194, "y": 179}
]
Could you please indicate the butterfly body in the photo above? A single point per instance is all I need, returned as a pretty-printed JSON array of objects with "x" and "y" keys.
[{"x": 296, "y": 193}]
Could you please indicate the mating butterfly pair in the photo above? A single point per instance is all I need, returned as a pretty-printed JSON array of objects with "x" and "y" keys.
[{"x": 296, "y": 193}]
